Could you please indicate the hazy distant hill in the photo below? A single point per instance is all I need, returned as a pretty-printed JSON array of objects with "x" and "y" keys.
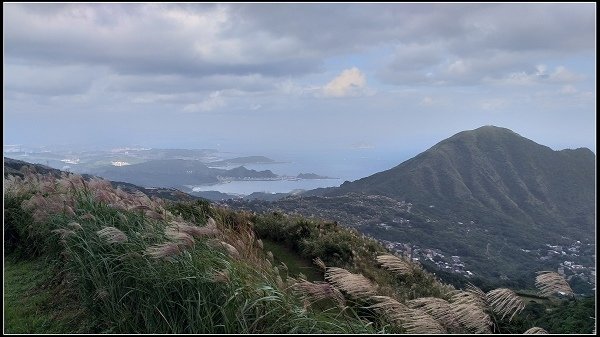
[
  {"x": 189, "y": 154},
  {"x": 14, "y": 167},
  {"x": 176, "y": 173},
  {"x": 242, "y": 161}
]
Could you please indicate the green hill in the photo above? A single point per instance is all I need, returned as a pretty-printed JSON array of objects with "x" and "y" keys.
[
  {"x": 487, "y": 202},
  {"x": 492, "y": 170}
]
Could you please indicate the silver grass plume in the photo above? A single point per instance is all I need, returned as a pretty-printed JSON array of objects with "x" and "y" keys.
[
  {"x": 164, "y": 251},
  {"x": 412, "y": 320},
  {"x": 317, "y": 291},
  {"x": 549, "y": 283},
  {"x": 63, "y": 233},
  {"x": 75, "y": 225},
  {"x": 354, "y": 284},
  {"x": 179, "y": 237},
  {"x": 195, "y": 231},
  {"x": 505, "y": 301},
  {"x": 469, "y": 307},
  {"x": 112, "y": 235},
  {"x": 438, "y": 308},
  {"x": 319, "y": 263},
  {"x": 230, "y": 249},
  {"x": 396, "y": 264}
]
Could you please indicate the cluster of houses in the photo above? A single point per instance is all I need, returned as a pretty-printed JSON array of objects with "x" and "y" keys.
[{"x": 452, "y": 264}]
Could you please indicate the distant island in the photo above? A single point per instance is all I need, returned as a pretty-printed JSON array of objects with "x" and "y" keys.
[
  {"x": 312, "y": 176},
  {"x": 243, "y": 161}
]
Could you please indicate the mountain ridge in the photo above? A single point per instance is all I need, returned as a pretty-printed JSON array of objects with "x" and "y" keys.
[
  {"x": 484, "y": 197},
  {"x": 496, "y": 170}
]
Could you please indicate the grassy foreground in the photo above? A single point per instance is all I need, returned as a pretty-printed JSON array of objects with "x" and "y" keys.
[
  {"x": 30, "y": 306},
  {"x": 91, "y": 258}
]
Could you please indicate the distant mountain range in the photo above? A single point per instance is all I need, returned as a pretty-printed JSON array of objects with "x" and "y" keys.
[{"x": 489, "y": 196}]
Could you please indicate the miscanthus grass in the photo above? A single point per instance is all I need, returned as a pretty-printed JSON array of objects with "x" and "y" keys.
[
  {"x": 138, "y": 268},
  {"x": 140, "y": 265},
  {"x": 549, "y": 283}
]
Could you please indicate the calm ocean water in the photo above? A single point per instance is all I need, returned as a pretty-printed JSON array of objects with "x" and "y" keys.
[{"x": 342, "y": 165}]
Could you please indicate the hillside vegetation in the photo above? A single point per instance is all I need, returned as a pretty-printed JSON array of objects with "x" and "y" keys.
[
  {"x": 492, "y": 170},
  {"x": 136, "y": 264},
  {"x": 496, "y": 200}
]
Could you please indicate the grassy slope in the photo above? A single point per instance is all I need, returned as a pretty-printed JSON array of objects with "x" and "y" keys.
[
  {"x": 294, "y": 263},
  {"x": 212, "y": 283},
  {"x": 140, "y": 271},
  {"x": 30, "y": 306}
]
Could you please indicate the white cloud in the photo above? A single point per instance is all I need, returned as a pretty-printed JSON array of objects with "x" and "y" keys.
[
  {"x": 458, "y": 67},
  {"x": 214, "y": 101},
  {"x": 351, "y": 82}
]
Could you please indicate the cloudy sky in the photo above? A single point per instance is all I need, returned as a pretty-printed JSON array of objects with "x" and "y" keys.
[{"x": 249, "y": 77}]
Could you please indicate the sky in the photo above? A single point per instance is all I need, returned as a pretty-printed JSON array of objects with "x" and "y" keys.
[{"x": 300, "y": 77}]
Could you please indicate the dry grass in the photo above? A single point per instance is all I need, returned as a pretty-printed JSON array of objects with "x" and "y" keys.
[
  {"x": 319, "y": 263},
  {"x": 390, "y": 307},
  {"x": 355, "y": 285},
  {"x": 63, "y": 233},
  {"x": 112, "y": 235},
  {"x": 467, "y": 310},
  {"x": 231, "y": 250},
  {"x": 75, "y": 225},
  {"x": 415, "y": 321},
  {"x": 178, "y": 237},
  {"x": 317, "y": 291},
  {"x": 422, "y": 323},
  {"x": 438, "y": 308},
  {"x": 504, "y": 301},
  {"x": 396, "y": 264},
  {"x": 164, "y": 250},
  {"x": 195, "y": 231},
  {"x": 469, "y": 307},
  {"x": 550, "y": 283}
]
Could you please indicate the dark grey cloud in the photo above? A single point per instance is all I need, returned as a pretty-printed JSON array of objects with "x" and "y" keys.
[
  {"x": 493, "y": 42},
  {"x": 148, "y": 39},
  {"x": 282, "y": 40},
  {"x": 555, "y": 28},
  {"x": 330, "y": 28}
]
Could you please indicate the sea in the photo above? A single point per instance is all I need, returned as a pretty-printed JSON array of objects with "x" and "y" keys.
[{"x": 340, "y": 166}]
